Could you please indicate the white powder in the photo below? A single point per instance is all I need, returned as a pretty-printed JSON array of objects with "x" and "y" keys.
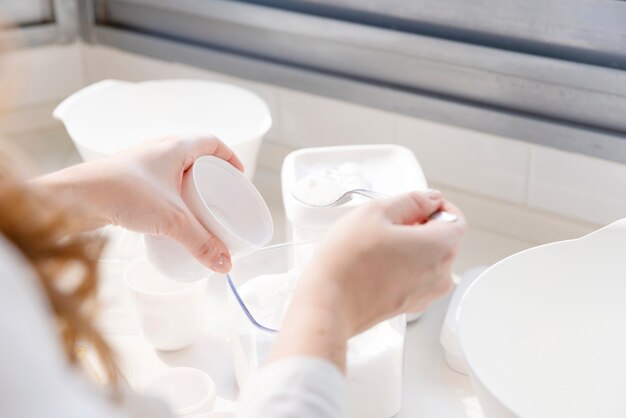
[
  {"x": 323, "y": 186},
  {"x": 374, "y": 357}
]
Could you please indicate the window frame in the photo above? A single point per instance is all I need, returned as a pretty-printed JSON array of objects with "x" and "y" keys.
[
  {"x": 579, "y": 105},
  {"x": 60, "y": 28}
]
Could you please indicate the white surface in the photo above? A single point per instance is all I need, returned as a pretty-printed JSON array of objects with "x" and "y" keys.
[
  {"x": 227, "y": 204},
  {"x": 186, "y": 390},
  {"x": 578, "y": 186},
  {"x": 469, "y": 160},
  {"x": 430, "y": 387},
  {"x": 543, "y": 331},
  {"x": 171, "y": 314},
  {"x": 112, "y": 115}
]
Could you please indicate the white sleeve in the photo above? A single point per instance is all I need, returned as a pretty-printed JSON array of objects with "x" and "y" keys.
[
  {"x": 36, "y": 379},
  {"x": 302, "y": 387}
]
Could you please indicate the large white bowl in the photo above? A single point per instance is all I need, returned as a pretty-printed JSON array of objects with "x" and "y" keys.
[
  {"x": 111, "y": 115},
  {"x": 544, "y": 331}
]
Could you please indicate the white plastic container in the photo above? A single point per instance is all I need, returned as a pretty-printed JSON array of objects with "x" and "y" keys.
[
  {"x": 384, "y": 168},
  {"x": 171, "y": 314},
  {"x": 112, "y": 115},
  {"x": 228, "y": 205},
  {"x": 186, "y": 390},
  {"x": 388, "y": 169},
  {"x": 544, "y": 331}
]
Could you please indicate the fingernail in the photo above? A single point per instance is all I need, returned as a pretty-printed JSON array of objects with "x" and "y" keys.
[
  {"x": 433, "y": 194},
  {"x": 222, "y": 264}
]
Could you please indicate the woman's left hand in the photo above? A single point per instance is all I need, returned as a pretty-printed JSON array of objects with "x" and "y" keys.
[{"x": 139, "y": 189}]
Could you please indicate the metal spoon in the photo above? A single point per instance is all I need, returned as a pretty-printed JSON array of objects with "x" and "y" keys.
[{"x": 440, "y": 215}]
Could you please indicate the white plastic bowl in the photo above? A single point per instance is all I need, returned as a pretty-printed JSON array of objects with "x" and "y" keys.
[
  {"x": 544, "y": 331},
  {"x": 228, "y": 205},
  {"x": 112, "y": 115}
]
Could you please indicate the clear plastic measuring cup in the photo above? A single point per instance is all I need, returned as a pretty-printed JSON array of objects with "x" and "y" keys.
[{"x": 261, "y": 285}]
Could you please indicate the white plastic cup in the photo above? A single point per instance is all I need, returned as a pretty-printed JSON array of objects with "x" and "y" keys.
[
  {"x": 227, "y": 204},
  {"x": 186, "y": 390},
  {"x": 171, "y": 314}
]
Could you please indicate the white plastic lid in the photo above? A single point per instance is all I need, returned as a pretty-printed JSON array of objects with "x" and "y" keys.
[{"x": 186, "y": 390}]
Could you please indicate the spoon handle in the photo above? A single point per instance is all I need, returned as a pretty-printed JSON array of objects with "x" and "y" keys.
[
  {"x": 440, "y": 215},
  {"x": 369, "y": 193},
  {"x": 443, "y": 216}
]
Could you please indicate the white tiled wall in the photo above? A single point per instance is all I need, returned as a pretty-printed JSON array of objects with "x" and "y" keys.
[
  {"x": 469, "y": 160},
  {"x": 41, "y": 75},
  {"x": 511, "y": 187},
  {"x": 33, "y": 81},
  {"x": 309, "y": 120},
  {"x": 576, "y": 185}
]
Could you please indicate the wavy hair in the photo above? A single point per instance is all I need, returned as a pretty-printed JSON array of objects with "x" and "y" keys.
[{"x": 64, "y": 260}]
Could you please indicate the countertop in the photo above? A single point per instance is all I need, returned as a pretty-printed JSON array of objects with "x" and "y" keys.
[{"x": 431, "y": 389}]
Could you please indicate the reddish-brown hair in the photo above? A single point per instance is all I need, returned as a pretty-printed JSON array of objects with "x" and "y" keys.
[{"x": 65, "y": 261}]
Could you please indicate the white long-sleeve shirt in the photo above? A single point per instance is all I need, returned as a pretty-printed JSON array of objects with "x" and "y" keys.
[{"x": 37, "y": 381}]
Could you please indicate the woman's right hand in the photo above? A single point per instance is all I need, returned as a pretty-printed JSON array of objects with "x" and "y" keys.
[{"x": 378, "y": 261}]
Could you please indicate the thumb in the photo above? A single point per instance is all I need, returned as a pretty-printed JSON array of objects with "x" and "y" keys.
[
  {"x": 413, "y": 207},
  {"x": 203, "y": 245}
]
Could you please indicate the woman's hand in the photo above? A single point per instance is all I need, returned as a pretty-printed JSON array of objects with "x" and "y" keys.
[
  {"x": 380, "y": 260},
  {"x": 139, "y": 189}
]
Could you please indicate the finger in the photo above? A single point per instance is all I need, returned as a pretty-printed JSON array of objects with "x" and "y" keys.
[
  {"x": 210, "y": 145},
  {"x": 203, "y": 245},
  {"x": 449, "y": 234},
  {"x": 447, "y": 206},
  {"x": 411, "y": 208},
  {"x": 444, "y": 238}
]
